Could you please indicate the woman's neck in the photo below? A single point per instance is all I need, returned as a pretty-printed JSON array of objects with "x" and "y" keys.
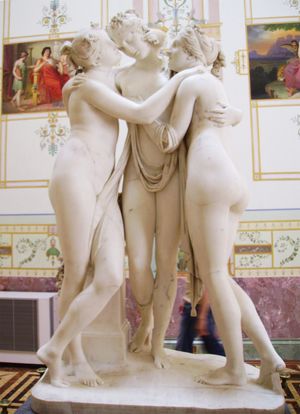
[
  {"x": 151, "y": 62},
  {"x": 99, "y": 69}
]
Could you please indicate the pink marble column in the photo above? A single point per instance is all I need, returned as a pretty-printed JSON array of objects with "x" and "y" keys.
[
  {"x": 214, "y": 11},
  {"x": 138, "y": 6},
  {"x": 198, "y": 9},
  {"x": 153, "y": 6}
]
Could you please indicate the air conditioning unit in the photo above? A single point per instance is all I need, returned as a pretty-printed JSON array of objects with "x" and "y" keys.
[{"x": 27, "y": 321}]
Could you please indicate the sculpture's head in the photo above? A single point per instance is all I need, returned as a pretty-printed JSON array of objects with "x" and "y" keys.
[
  {"x": 91, "y": 48},
  {"x": 131, "y": 35},
  {"x": 192, "y": 47}
]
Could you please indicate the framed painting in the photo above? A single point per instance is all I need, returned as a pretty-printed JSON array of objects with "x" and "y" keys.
[
  {"x": 34, "y": 74},
  {"x": 274, "y": 60}
]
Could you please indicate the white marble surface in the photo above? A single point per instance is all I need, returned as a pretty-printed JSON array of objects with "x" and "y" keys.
[{"x": 140, "y": 388}]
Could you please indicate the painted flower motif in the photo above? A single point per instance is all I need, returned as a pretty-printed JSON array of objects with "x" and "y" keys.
[
  {"x": 29, "y": 247},
  {"x": 286, "y": 244},
  {"x": 54, "y": 16},
  {"x": 175, "y": 14},
  {"x": 293, "y": 4},
  {"x": 54, "y": 135},
  {"x": 252, "y": 236}
]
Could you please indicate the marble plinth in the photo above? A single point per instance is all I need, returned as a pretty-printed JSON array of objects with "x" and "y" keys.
[
  {"x": 105, "y": 340},
  {"x": 140, "y": 388}
]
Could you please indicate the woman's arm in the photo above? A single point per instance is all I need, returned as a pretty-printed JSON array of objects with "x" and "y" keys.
[
  {"x": 190, "y": 89},
  {"x": 224, "y": 115},
  {"x": 15, "y": 72},
  {"x": 38, "y": 65},
  {"x": 103, "y": 98},
  {"x": 172, "y": 134}
]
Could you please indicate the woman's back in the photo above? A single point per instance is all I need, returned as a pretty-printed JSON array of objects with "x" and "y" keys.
[
  {"x": 211, "y": 173},
  {"x": 210, "y": 93}
]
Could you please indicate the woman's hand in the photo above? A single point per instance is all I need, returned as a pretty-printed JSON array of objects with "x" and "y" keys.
[
  {"x": 152, "y": 37},
  {"x": 79, "y": 80},
  {"x": 75, "y": 83},
  {"x": 223, "y": 115},
  {"x": 196, "y": 70},
  {"x": 72, "y": 85}
]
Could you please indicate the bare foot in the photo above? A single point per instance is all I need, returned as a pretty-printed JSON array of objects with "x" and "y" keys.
[
  {"x": 86, "y": 375},
  {"x": 141, "y": 340},
  {"x": 53, "y": 362},
  {"x": 222, "y": 376},
  {"x": 269, "y": 374},
  {"x": 160, "y": 359}
]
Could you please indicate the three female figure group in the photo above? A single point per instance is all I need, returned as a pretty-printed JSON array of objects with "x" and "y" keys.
[{"x": 214, "y": 199}]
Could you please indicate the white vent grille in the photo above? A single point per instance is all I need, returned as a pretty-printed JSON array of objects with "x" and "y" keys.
[
  {"x": 27, "y": 321},
  {"x": 18, "y": 325}
]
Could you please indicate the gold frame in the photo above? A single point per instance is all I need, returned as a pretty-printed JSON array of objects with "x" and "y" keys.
[
  {"x": 4, "y": 182},
  {"x": 250, "y": 19},
  {"x": 257, "y": 170}
]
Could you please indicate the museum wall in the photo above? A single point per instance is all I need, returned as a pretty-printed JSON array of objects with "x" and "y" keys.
[{"x": 265, "y": 145}]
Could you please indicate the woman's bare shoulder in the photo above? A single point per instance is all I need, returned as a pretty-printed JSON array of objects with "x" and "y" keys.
[{"x": 199, "y": 82}]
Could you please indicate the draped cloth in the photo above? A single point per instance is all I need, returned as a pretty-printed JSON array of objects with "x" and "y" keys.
[
  {"x": 167, "y": 140},
  {"x": 108, "y": 195},
  {"x": 154, "y": 178}
]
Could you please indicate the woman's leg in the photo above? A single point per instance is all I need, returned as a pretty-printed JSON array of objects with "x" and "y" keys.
[
  {"x": 251, "y": 322},
  {"x": 108, "y": 277},
  {"x": 167, "y": 241},
  {"x": 139, "y": 219},
  {"x": 17, "y": 98},
  {"x": 74, "y": 214},
  {"x": 209, "y": 231}
]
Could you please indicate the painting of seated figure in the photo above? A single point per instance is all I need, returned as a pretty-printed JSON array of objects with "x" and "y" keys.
[
  {"x": 34, "y": 74},
  {"x": 274, "y": 60}
]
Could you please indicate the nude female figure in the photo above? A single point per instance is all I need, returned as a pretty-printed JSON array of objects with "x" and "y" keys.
[
  {"x": 215, "y": 199},
  {"x": 150, "y": 198},
  {"x": 81, "y": 172}
]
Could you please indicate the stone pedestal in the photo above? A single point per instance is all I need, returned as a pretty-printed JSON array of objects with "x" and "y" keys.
[
  {"x": 140, "y": 388},
  {"x": 105, "y": 340}
]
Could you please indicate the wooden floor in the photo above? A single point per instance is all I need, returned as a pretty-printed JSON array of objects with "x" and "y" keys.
[{"x": 17, "y": 381}]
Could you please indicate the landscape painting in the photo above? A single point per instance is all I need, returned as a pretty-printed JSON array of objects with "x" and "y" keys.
[{"x": 274, "y": 60}]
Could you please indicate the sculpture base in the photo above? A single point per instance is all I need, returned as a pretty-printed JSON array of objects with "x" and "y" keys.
[{"x": 140, "y": 388}]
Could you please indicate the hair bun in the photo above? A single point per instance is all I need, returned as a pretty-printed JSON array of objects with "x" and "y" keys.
[{"x": 66, "y": 48}]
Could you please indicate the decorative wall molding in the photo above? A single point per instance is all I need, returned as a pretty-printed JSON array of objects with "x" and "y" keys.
[
  {"x": 30, "y": 134},
  {"x": 54, "y": 135},
  {"x": 54, "y": 16},
  {"x": 29, "y": 250},
  {"x": 294, "y": 4},
  {"x": 282, "y": 11},
  {"x": 266, "y": 116},
  {"x": 266, "y": 249},
  {"x": 241, "y": 62}
]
